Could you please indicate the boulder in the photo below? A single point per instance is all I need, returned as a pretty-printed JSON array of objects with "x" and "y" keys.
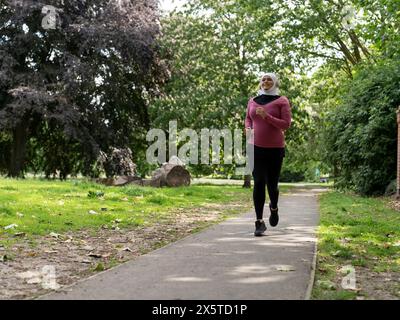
[{"x": 171, "y": 175}]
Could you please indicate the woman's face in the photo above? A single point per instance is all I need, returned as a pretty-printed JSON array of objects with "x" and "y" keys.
[{"x": 267, "y": 82}]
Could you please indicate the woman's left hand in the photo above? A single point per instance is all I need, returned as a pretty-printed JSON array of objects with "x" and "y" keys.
[{"x": 261, "y": 112}]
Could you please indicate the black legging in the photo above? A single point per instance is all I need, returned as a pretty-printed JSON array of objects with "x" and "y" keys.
[{"x": 267, "y": 168}]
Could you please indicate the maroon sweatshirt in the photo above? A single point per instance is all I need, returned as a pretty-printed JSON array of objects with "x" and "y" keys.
[{"x": 269, "y": 132}]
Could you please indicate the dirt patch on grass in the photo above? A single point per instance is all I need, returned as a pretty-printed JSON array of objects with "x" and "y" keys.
[
  {"x": 368, "y": 285},
  {"x": 378, "y": 286},
  {"x": 27, "y": 265}
]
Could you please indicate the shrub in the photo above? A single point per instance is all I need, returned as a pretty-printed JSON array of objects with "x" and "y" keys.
[{"x": 361, "y": 134}]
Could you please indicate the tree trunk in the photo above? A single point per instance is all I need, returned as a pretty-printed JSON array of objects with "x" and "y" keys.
[
  {"x": 170, "y": 175},
  {"x": 247, "y": 181},
  {"x": 17, "y": 159}
]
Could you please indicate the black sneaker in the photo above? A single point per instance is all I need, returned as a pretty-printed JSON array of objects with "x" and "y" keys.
[
  {"x": 260, "y": 228},
  {"x": 274, "y": 217}
]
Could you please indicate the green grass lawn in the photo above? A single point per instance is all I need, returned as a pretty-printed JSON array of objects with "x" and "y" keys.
[
  {"x": 39, "y": 207},
  {"x": 360, "y": 232}
]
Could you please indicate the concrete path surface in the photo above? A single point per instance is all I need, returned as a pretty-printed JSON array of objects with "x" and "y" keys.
[{"x": 224, "y": 261}]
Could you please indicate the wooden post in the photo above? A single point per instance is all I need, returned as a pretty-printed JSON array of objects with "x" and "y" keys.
[{"x": 398, "y": 155}]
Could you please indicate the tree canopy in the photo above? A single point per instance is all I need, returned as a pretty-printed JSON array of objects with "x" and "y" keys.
[
  {"x": 82, "y": 85},
  {"x": 110, "y": 70}
]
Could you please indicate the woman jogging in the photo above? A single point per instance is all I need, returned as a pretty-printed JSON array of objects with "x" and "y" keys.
[{"x": 268, "y": 115}]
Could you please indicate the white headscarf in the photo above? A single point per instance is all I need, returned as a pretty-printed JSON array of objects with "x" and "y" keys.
[{"x": 273, "y": 91}]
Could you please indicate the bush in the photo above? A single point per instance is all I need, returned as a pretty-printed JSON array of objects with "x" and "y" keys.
[{"x": 361, "y": 135}]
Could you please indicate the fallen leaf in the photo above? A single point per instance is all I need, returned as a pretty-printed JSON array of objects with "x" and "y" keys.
[
  {"x": 336, "y": 253},
  {"x": 285, "y": 268},
  {"x": 125, "y": 199},
  {"x": 344, "y": 241},
  {"x": 11, "y": 226},
  {"x": 35, "y": 280},
  {"x": 92, "y": 212},
  {"x": 51, "y": 251},
  {"x": 396, "y": 244},
  {"x": 86, "y": 261},
  {"x": 54, "y": 235},
  {"x": 19, "y": 214},
  {"x": 19, "y": 234}
]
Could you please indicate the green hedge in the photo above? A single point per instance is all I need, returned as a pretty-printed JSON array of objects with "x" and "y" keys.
[{"x": 361, "y": 134}]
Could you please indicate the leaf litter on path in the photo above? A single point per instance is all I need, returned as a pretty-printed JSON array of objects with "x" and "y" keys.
[{"x": 285, "y": 268}]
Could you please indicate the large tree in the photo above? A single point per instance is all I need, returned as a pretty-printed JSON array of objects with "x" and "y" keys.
[
  {"x": 88, "y": 76},
  {"x": 323, "y": 30},
  {"x": 218, "y": 49}
]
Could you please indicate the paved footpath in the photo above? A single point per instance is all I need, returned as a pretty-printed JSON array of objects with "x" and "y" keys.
[{"x": 224, "y": 261}]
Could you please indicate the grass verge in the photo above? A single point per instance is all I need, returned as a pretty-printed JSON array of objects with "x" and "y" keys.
[
  {"x": 358, "y": 238},
  {"x": 39, "y": 207},
  {"x": 81, "y": 227}
]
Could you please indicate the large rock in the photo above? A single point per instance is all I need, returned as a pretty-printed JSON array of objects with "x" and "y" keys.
[{"x": 171, "y": 175}]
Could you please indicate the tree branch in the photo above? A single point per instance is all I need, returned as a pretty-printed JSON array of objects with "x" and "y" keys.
[
  {"x": 321, "y": 55},
  {"x": 356, "y": 40}
]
